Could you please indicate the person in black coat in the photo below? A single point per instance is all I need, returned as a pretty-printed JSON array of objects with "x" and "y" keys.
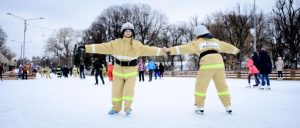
[
  {"x": 65, "y": 71},
  {"x": 81, "y": 71},
  {"x": 265, "y": 66},
  {"x": 255, "y": 59},
  {"x": 161, "y": 70},
  {"x": 98, "y": 68}
]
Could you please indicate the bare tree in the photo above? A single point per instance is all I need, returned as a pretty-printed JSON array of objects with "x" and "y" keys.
[
  {"x": 61, "y": 45},
  {"x": 287, "y": 20},
  {"x": 3, "y": 48}
]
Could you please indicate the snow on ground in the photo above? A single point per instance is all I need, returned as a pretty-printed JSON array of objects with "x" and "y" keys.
[{"x": 168, "y": 103}]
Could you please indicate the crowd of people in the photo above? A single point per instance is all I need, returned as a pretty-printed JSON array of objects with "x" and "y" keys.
[{"x": 260, "y": 66}]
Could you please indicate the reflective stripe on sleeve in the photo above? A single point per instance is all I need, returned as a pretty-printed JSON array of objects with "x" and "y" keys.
[
  {"x": 177, "y": 50},
  {"x": 93, "y": 48},
  {"x": 158, "y": 52}
]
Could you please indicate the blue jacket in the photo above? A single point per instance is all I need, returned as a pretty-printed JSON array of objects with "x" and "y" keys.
[{"x": 151, "y": 65}]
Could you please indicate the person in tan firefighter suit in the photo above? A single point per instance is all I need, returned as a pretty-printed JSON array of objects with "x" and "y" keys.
[
  {"x": 75, "y": 71},
  {"x": 42, "y": 71},
  {"x": 47, "y": 72},
  {"x": 211, "y": 65},
  {"x": 125, "y": 50}
]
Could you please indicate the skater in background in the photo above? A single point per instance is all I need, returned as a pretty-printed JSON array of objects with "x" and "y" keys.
[
  {"x": 81, "y": 71},
  {"x": 279, "y": 68},
  {"x": 110, "y": 71},
  {"x": 1, "y": 71},
  {"x": 125, "y": 50},
  {"x": 20, "y": 71},
  {"x": 65, "y": 71},
  {"x": 75, "y": 71},
  {"x": 98, "y": 70},
  {"x": 253, "y": 71},
  {"x": 25, "y": 72},
  {"x": 141, "y": 69},
  {"x": 150, "y": 68},
  {"x": 58, "y": 72},
  {"x": 265, "y": 65},
  {"x": 47, "y": 72},
  {"x": 161, "y": 70},
  {"x": 211, "y": 65},
  {"x": 156, "y": 72},
  {"x": 42, "y": 71}
]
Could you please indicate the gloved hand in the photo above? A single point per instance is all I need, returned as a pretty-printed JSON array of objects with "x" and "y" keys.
[{"x": 81, "y": 48}]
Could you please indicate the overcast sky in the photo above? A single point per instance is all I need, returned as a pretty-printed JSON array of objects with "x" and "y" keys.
[{"x": 79, "y": 15}]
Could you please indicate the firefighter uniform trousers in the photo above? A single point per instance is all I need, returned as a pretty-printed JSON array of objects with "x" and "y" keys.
[
  {"x": 123, "y": 89},
  {"x": 203, "y": 79}
]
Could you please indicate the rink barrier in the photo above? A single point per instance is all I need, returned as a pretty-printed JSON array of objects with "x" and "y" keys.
[
  {"x": 240, "y": 74},
  {"x": 14, "y": 76}
]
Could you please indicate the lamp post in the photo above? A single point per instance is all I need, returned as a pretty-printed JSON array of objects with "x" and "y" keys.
[
  {"x": 25, "y": 28},
  {"x": 253, "y": 30}
]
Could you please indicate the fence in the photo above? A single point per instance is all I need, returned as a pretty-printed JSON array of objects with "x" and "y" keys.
[{"x": 242, "y": 74}]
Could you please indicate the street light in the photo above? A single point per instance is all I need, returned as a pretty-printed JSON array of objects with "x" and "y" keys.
[
  {"x": 25, "y": 28},
  {"x": 253, "y": 33},
  {"x": 253, "y": 30}
]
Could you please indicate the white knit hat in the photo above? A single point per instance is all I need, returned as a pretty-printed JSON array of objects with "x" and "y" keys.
[
  {"x": 127, "y": 25},
  {"x": 200, "y": 30}
]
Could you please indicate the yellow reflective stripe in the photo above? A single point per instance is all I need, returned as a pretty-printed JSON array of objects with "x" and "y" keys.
[
  {"x": 125, "y": 75},
  {"x": 117, "y": 99},
  {"x": 120, "y": 99},
  {"x": 200, "y": 94},
  {"x": 225, "y": 93},
  {"x": 210, "y": 66},
  {"x": 128, "y": 98}
]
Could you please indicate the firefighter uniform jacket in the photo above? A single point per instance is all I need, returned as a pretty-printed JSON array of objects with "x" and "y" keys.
[
  {"x": 198, "y": 46},
  {"x": 124, "y": 49}
]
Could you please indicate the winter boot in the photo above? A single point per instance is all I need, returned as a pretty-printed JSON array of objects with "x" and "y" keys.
[
  {"x": 112, "y": 112},
  {"x": 199, "y": 110},
  {"x": 228, "y": 110}
]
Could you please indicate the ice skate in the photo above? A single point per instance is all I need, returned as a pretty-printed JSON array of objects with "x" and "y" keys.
[
  {"x": 199, "y": 111},
  {"x": 228, "y": 110},
  {"x": 112, "y": 112}
]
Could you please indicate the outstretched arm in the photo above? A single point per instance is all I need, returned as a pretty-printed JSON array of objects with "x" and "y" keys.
[
  {"x": 145, "y": 50},
  {"x": 188, "y": 48},
  {"x": 104, "y": 48},
  {"x": 228, "y": 48}
]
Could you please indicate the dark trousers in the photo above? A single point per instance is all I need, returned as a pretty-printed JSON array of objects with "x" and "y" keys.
[
  {"x": 82, "y": 74},
  {"x": 263, "y": 77},
  {"x": 141, "y": 76},
  {"x": 150, "y": 74},
  {"x": 24, "y": 75},
  {"x": 256, "y": 78},
  {"x": 101, "y": 77},
  {"x": 1, "y": 76},
  {"x": 161, "y": 74},
  {"x": 279, "y": 74}
]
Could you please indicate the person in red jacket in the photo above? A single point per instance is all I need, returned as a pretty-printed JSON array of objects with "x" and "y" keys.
[
  {"x": 252, "y": 71},
  {"x": 110, "y": 71}
]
